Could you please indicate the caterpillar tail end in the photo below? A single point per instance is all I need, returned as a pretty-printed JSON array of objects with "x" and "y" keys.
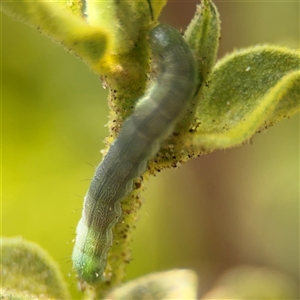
[
  {"x": 88, "y": 264},
  {"x": 87, "y": 267}
]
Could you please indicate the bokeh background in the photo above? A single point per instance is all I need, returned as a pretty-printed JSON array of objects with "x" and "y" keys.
[{"x": 217, "y": 211}]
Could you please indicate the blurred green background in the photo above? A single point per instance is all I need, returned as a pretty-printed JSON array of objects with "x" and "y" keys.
[{"x": 227, "y": 208}]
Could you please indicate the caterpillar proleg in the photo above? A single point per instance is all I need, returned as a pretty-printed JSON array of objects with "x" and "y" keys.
[{"x": 153, "y": 120}]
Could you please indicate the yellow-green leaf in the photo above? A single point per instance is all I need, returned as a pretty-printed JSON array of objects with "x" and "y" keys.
[
  {"x": 27, "y": 272},
  {"x": 65, "y": 27},
  {"x": 202, "y": 35},
  {"x": 249, "y": 90}
]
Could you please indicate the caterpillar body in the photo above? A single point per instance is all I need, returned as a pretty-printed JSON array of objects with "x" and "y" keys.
[{"x": 153, "y": 120}]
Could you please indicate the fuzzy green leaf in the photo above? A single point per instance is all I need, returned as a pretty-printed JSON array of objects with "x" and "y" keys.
[
  {"x": 202, "y": 35},
  {"x": 175, "y": 284},
  {"x": 27, "y": 272},
  {"x": 249, "y": 90},
  {"x": 63, "y": 26},
  {"x": 110, "y": 36}
]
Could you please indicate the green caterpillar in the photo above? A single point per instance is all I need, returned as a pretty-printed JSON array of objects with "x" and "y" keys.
[{"x": 153, "y": 120}]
